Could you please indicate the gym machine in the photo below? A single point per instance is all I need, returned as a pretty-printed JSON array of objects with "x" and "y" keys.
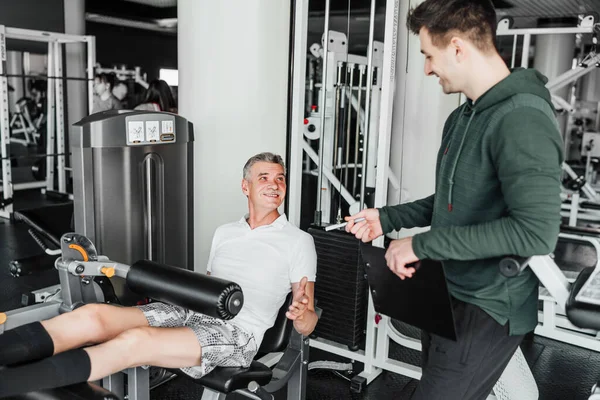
[
  {"x": 79, "y": 263},
  {"x": 133, "y": 187}
]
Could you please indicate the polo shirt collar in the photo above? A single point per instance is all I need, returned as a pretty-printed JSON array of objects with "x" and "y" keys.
[{"x": 279, "y": 223}]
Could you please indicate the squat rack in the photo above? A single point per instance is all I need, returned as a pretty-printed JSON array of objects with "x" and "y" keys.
[{"x": 55, "y": 106}]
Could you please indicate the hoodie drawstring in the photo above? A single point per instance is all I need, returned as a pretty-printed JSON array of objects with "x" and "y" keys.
[{"x": 453, "y": 171}]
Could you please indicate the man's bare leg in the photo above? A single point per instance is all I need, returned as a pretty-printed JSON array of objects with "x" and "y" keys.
[
  {"x": 91, "y": 324},
  {"x": 162, "y": 347},
  {"x": 166, "y": 347}
]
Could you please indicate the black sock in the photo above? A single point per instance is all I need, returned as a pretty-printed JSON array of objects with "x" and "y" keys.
[
  {"x": 63, "y": 369},
  {"x": 25, "y": 343}
]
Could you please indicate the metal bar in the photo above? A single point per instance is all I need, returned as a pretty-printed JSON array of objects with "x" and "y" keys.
[
  {"x": 573, "y": 74},
  {"x": 41, "y": 36},
  {"x": 51, "y": 121},
  {"x": 47, "y": 77},
  {"x": 525, "y": 53},
  {"x": 329, "y": 175},
  {"x": 349, "y": 66},
  {"x": 298, "y": 100},
  {"x": 574, "y": 210},
  {"x": 323, "y": 106},
  {"x": 363, "y": 179},
  {"x": 149, "y": 208},
  {"x": 7, "y": 190},
  {"x": 91, "y": 62},
  {"x": 361, "y": 74},
  {"x": 543, "y": 31},
  {"x": 138, "y": 384},
  {"x": 115, "y": 383},
  {"x": 60, "y": 120},
  {"x": 514, "y": 51},
  {"x": 28, "y": 185},
  {"x": 336, "y": 113}
]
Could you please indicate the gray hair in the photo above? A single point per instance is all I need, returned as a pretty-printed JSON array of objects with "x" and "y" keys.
[{"x": 262, "y": 157}]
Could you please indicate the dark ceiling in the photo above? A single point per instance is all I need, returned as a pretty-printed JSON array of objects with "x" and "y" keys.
[{"x": 525, "y": 12}]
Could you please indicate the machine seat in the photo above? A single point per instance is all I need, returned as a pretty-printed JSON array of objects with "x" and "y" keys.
[
  {"x": 230, "y": 379},
  {"x": 582, "y": 315},
  {"x": 80, "y": 391},
  {"x": 276, "y": 339}
]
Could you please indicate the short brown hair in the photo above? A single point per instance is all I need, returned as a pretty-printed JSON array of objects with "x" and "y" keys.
[{"x": 476, "y": 19}]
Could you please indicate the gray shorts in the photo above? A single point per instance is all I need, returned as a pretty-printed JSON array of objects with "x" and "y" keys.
[{"x": 223, "y": 344}]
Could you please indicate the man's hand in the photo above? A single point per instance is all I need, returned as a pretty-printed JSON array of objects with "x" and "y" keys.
[
  {"x": 300, "y": 302},
  {"x": 398, "y": 254},
  {"x": 366, "y": 230}
]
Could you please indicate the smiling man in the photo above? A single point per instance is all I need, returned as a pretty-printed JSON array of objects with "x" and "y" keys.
[
  {"x": 263, "y": 253},
  {"x": 497, "y": 193}
]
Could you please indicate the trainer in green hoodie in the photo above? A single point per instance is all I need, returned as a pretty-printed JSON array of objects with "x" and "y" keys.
[{"x": 497, "y": 193}]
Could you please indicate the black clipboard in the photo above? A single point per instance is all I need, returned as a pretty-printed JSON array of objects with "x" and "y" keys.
[{"x": 422, "y": 301}]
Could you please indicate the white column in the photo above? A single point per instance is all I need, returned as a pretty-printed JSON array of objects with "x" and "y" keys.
[
  {"x": 554, "y": 55},
  {"x": 419, "y": 113},
  {"x": 75, "y": 56},
  {"x": 233, "y": 86}
]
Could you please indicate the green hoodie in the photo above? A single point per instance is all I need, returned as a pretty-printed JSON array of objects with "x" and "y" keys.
[{"x": 497, "y": 194}]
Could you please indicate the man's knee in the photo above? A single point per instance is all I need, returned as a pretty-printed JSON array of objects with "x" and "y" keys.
[
  {"x": 136, "y": 342},
  {"x": 96, "y": 319}
]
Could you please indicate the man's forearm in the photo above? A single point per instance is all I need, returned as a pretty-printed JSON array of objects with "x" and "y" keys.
[
  {"x": 407, "y": 215},
  {"x": 501, "y": 237},
  {"x": 307, "y": 324}
]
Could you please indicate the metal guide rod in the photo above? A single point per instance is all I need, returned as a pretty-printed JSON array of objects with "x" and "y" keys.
[
  {"x": 349, "y": 121},
  {"x": 318, "y": 212},
  {"x": 367, "y": 105}
]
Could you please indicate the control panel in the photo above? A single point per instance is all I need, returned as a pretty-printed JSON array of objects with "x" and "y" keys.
[{"x": 151, "y": 128}]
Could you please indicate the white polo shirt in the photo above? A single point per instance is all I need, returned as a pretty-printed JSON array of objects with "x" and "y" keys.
[{"x": 265, "y": 262}]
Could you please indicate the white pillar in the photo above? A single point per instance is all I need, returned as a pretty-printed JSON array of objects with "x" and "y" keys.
[
  {"x": 553, "y": 56},
  {"x": 75, "y": 56},
  {"x": 419, "y": 113},
  {"x": 233, "y": 86}
]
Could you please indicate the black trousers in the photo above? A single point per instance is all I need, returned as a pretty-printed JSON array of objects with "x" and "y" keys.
[{"x": 468, "y": 368}]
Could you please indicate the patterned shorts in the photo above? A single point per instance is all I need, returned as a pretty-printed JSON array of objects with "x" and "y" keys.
[{"x": 223, "y": 343}]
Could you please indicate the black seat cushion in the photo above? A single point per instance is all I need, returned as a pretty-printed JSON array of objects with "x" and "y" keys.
[
  {"x": 230, "y": 379},
  {"x": 227, "y": 380},
  {"x": 80, "y": 391},
  {"x": 582, "y": 315},
  {"x": 277, "y": 337}
]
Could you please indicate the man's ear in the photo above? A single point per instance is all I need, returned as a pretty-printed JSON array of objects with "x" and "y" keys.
[
  {"x": 458, "y": 48},
  {"x": 245, "y": 189}
]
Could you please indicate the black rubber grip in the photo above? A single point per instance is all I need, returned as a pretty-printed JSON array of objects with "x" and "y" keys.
[{"x": 198, "y": 292}]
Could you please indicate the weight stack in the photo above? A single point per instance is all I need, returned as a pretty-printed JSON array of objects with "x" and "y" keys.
[{"x": 341, "y": 289}]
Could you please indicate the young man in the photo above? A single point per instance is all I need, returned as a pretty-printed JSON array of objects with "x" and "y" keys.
[
  {"x": 263, "y": 253},
  {"x": 497, "y": 194}
]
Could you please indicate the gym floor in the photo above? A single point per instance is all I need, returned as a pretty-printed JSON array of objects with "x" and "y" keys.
[{"x": 561, "y": 371}]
